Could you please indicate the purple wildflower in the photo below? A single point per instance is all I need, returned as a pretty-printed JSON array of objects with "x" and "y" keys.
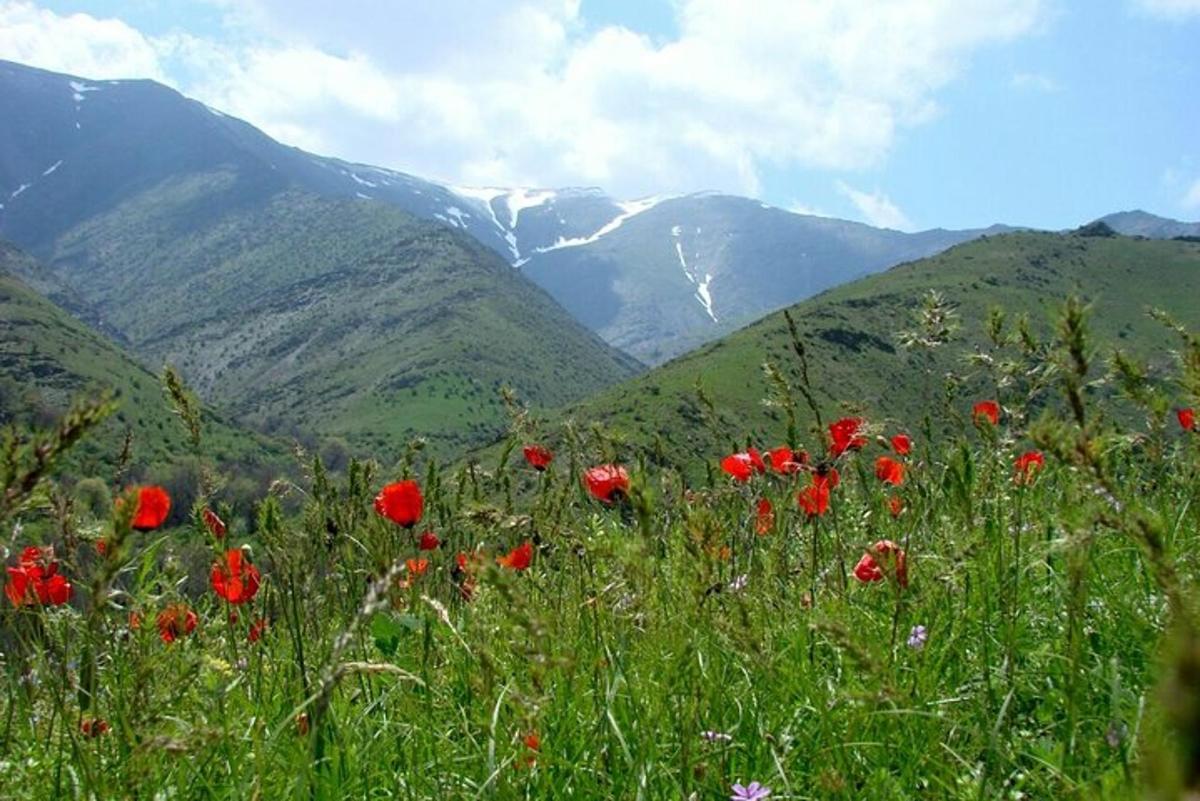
[
  {"x": 917, "y": 638},
  {"x": 752, "y": 792}
]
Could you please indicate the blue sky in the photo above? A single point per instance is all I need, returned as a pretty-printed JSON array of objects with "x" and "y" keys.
[{"x": 909, "y": 113}]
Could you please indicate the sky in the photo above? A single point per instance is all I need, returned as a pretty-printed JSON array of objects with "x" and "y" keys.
[{"x": 908, "y": 114}]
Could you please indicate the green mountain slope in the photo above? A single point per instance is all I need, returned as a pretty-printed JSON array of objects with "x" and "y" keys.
[
  {"x": 853, "y": 352},
  {"x": 48, "y": 359},
  {"x": 342, "y": 317}
]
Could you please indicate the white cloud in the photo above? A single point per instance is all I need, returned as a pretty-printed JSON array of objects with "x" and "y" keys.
[
  {"x": 522, "y": 92},
  {"x": 1191, "y": 198},
  {"x": 876, "y": 208},
  {"x": 1169, "y": 9},
  {"x": 77, "y": 43}
]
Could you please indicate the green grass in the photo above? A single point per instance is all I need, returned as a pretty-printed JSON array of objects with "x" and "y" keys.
[{"x": 1061, "y": 625}]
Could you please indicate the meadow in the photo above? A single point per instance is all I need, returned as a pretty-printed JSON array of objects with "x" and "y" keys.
[{"x": 996, "y": 600}]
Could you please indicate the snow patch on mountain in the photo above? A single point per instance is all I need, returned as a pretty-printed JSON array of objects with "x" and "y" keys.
[
  {"x": 703, "y": 292},
  {"x": 79, "y": 89},
  {"x": 519, "y": 199},
  {"x": 629, "y": 208}
]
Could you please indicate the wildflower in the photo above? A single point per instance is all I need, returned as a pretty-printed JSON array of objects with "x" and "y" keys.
[
  {"x": 401, "y": 502},
  {"x": 738, "y": 466},
  {"x": 176, "y": 621},
  {"x": 917, "y": 637},
  {"x": 743, "y": 465},
  {"x": 302, "y": 724},
  {"x": 1187, "y": 419},
  {"x": 764, "y": 517},
  {"x": 814, "y": 499},
  {"x": 785, "y": 460},
  {"x": 1027, "y": 466},
  {"x": 463, "y": 575},
  {"x": 257, "y": 629},
  {"x": 716, "y": 736},
  {"x": 847, "y": 435},
  {"x": 415, "y": 569},
  {"x": 868, "y": 570},
  {"x": 889, "y": 471},
  {"x": 739, "y": 583},
  {"x": 93, "y": 727},
  {"x": 606, "y": 482},
  {"x": 234, "y": 578},
  {"x": 986, "y": 410},
  {"x": 533, "y": 744},
  {"x": 751, "y": 792},
  {"x": 539, "y": 458},
  {"x": 429, "y": 542},
  {"x": 518, "y": 558},
  {"x": 36, "y": 579},
  {"x": 901, "y": 444},
  {"x": 153, "y": 505},
  {"x": 215, "y": 525},
  {"x": 895, "y": 505}
]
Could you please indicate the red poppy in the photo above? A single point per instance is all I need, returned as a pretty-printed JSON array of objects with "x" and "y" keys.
[
  {"x": 606, "y": 482},
  {"x": 401, "y": 502},
  {"x": 416, "y": 568},
  {"x": 518, "y": 558},
  {"x": 785, "y": 460},
  {"x": 868, "y": 569},
  {"x": 153, "y": 505},
  {"x": 889, "y": 471},
  {"x": 986, "y": 410},
  {"x": 463, "y": 574},
  {"x": 234, "y": 578},
  {"x": 847, "y": 435},
  {"x": 257, "y": 629},
  {"x": 901, "y": 444},
  {"x": 764, "y": 519},
  {"x": 135, "y": 621},
  {"x": 36, "y": 579},
  {"x": 93, "y": 727},
  {"x": 215, "y": 525},
  {"x": 895, "y": 505},
  {"x": 756, "y": 460},
  {"x": 738, "y": 466},
  {"x": 539, "y": 458},
  {"x": 814, "y": 499},
  {"x": 429, "y": 542},
  {"x": 176, "y": 621},
  {"x": 1026, "y": 467},
  {"x": 1187, "y": 419},
  {"x": 828, "y": 475},
  {"x": 533, "y": 745}
]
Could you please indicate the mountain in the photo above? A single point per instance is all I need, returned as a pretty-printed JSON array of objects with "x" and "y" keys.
[
  {"x": 48, "y": 359},
  {"x": 856, "y": 362},
  {"x": 282, "y": 289},
  {"x": 1151, "y": 226},
  {"x": 666, "y": 275},
  {"x": 653, "y": 277},
  {"x": 347, "y": 318}
]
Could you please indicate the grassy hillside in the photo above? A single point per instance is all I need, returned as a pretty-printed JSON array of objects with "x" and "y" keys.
[
  {"x": 48, "y": 359},
  {"x": 344, "y": 318},
  {"x": 856, "y": 361}
]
